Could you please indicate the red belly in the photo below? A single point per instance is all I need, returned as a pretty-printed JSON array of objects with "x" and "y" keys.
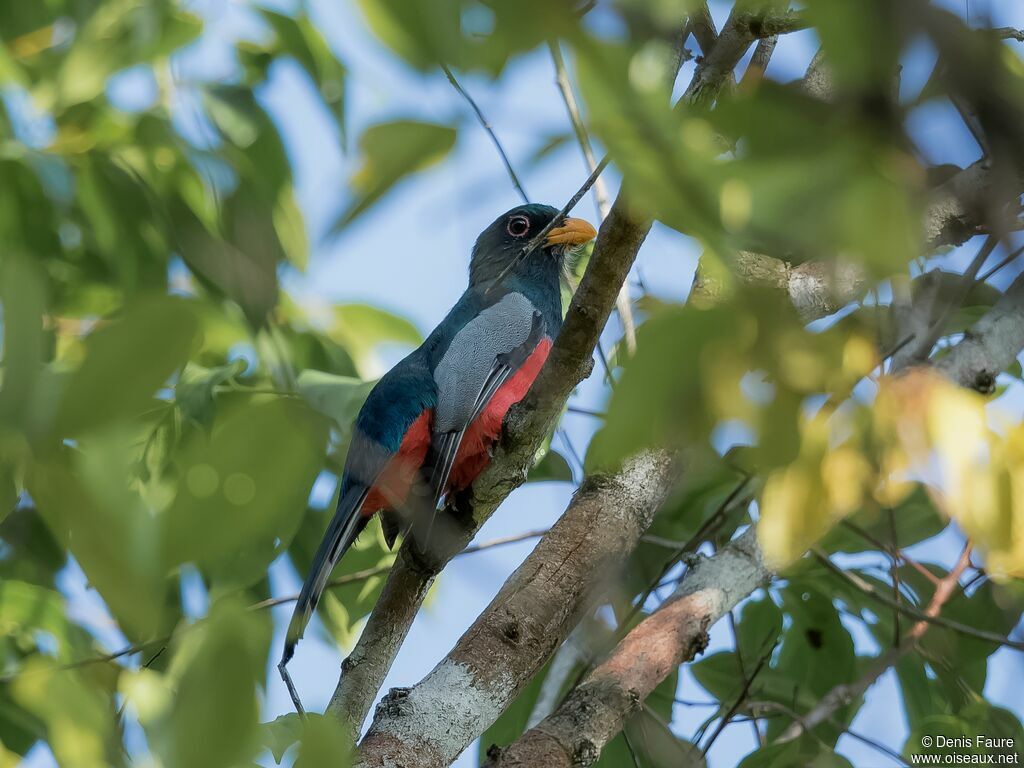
[
  {"x": 392, "y": 487},
  {"x": 475, "y": 451}
]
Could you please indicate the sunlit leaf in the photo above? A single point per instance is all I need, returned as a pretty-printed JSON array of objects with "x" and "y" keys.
[
  {"x": 390, "y": 152},
  {"x": 132, "y": 356},
  {"x": 79, "y": 716},
  {"x": 88, "y": 504}
]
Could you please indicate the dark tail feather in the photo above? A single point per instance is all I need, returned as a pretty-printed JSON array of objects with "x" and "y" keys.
[{"x": 345, "y": 526}]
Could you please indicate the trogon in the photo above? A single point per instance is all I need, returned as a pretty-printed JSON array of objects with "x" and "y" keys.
[{"x": 435, "y": 416}]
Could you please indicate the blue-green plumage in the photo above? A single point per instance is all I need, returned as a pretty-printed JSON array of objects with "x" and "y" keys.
[{"x": 415, "y": 418}]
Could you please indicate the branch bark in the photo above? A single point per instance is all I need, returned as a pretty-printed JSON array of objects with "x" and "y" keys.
[
  {"x": 570, "y": 361},
  {"x": 596, "y": 709},
  {"x": 816, "y": 288},
  {"x": 432, "y": 723},
  {"x": 991, "y": 344}
]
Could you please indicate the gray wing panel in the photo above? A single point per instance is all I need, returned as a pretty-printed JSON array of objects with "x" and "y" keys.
[{"x": 470, "y": 359}]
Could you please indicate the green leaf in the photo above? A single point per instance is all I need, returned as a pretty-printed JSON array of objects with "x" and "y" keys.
[
  {"x": 133, "y": 356},
  {"x": 280, "y": 734},
  {"x": 194, "y": 392},
  {"x": 22, "y": 294},
  {"x": 119, "y": 34},
  {"x": 298, "y": 37},
  {"x": 420, "y": 31},
  {"x": 242, "y": 486},
  {"x": 27, "y": 609},
  {"x": 337, "y": 397},
  {"x": 123, "y": 224},
  {"x": 759, "y": 627},
  {"x": 390, "y": 152},
  {"x": 32, "y": 553},
  {"x": 240, "y": 261},
  {"x": 88, "y": 504},
  {"x": 361, "y": 329},
  {"x": 8, "y": 491},
  {"x": 816, "y": 655},
  {"x": 214, "y": 717},
  {"x": 922, "y": 697},
  {"x": 79, "y": 715},
  {"x": 839, "y": 26},
  {"x": 800, "y": 752},
  {"x": 324, "y": 742},
  {"x": 914, "y": 519}
]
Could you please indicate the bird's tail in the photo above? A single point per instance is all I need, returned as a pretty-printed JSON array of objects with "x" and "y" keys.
[{"x": 345, "y": 526}]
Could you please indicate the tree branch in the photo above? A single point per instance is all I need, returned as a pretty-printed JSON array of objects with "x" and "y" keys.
[
  {"x": 432, "y": 723},
  {"x": 816, "y": 288},
  {"x": 990, "y": 345},
  {"x": 570, "y": 361},
  {"x": 596, "y": 709}
]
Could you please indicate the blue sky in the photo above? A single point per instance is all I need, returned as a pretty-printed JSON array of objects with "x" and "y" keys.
[{"x": 410, "y": 253}]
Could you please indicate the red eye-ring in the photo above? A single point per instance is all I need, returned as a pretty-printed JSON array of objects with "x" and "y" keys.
[{"x": 518, "y": 226}]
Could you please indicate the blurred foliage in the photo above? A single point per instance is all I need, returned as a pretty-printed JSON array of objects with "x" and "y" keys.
[{"x": 166, "y": 408}]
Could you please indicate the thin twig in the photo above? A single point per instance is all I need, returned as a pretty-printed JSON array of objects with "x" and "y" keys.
[
  {"x": 1009, "y": 33},
  {"x": 586, "y": 412},
  {"x": 756, "y": 706},
  {"x": 340, "y": 581},
  {"x": 1013, "y": 255},
  {"x": 895, "y": 551},
  {"x": 485, "y": 124},
  {"x": 623, "y": 304},
  {"x": 869, "y": 589},
  {"x": 744, "y": 692}
]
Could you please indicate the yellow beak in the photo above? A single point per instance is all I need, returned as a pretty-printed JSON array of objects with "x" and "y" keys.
[{"x": 572, "y": 232}]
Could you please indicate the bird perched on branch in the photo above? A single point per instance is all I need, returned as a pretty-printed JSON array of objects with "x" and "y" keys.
[{"x": 432, "y": 420}]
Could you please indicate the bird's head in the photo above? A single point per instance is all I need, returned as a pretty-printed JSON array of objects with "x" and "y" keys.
[{"x": 499, "y": 248}]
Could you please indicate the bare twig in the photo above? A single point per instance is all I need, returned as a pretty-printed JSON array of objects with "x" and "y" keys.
[
  {"x": 1009, "y": 258},
  {"x": 340, "y": 581},
  {"x": 623, "y": 305},
  {"x": 869, "y": 589},
  {"x": 485, "y": 124},
  {"x": 1009, "y": 33},
  {"x": 748, "y": 680}
]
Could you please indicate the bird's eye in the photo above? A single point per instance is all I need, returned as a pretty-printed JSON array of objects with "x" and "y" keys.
[{"x": 518, "y": 226}]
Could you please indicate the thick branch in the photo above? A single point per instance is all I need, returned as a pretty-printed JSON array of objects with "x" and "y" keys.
[
  {"x": 815, "y": 288},
  {"x": 433, "y": 722},
  {"x": 962, "y": 206},
  {"x": 596, "y": 709},
  {"x": 570, "y": 361},
  {"x": 990, "y": 345}
]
